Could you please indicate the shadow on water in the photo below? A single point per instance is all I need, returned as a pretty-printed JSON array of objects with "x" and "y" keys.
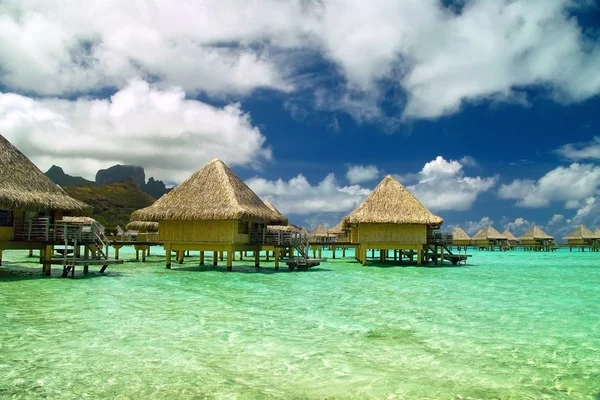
[
  {"x": 379, "y": 264},
  {"x": 246, "y": 270},
  {"x": 11, "y": 272}
]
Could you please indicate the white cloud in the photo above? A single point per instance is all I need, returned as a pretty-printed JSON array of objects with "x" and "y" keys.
[
  {"x": 298, "y": 196},
  {"x": 468, "y": 161},
  {"x": 437, "y": 58},
  {"x": 571, "y": 185},
  {"x": 442, "y": 185},
  {"x": 518, "y": 226},
  {"x": 158, "y": 129},
  {"x": 472, "y": 227},
  {"x": 56, "y": 47},
  {"x": 581, "y": 151},
  {"x": 361, "y": 173},
  {"x": 556, "y": 219}
]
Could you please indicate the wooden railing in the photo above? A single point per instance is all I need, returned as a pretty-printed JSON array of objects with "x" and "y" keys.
[
  {"x": 135, "y": 237},
  {"x": 32, "y": 230},
  {"x": 41, "y": 230},
  {"x": 274, "y": 237},
  {"x": 440, "y": 239}
]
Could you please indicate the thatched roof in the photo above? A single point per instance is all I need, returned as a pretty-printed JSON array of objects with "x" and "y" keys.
[
  {"x": 489, "y": 233},
  {"x": 535, "y": 233},
  {"x": 304, "y": 231},
  {"x": 211, "y": 193},
  {"x": 23, "y": 186},
  {"x": 78, "y": 220},
  {"x": 281, "y": 219},
  {"x": 597, "y": 233},
  {"x": 391, "y": 203},
  {"x": 148, "y": 226},
  {"x": 508, "y": 234},
  {"x": 581, "y": 232},
  {"x": 319, "y": 231},
  {"x": 459, "y": 234},
  {"x": 285, "y": 228},
  {"x": 339, "y": 229}
]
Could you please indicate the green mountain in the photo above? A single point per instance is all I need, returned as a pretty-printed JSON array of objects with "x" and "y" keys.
[
  {"x": 59, "y": 177},
  {"x": 113, "y": 203}
]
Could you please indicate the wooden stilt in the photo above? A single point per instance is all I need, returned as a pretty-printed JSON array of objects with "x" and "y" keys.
[
  {"x": 137, "y": 255},
  {"x": 220, "y": 256},
  {"x": 215, "y": 258},
  {"x": 276, "y": 260},
  {"x": 168, "y": 256},
  {"x": 343, "y": 251},
  {"x": 48, "y": 251},
  {"x": 202, "y": 257},
  {"x": 181, "y": 256},
  {"x": 230, "y": 254},
  {"x": 363, "y": 256},
  {"x": 256, "y": 258},
  {"x": 419, "y": 257}
]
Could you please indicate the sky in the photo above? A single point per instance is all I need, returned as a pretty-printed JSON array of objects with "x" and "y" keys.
[{"x": 487, "y": 111}]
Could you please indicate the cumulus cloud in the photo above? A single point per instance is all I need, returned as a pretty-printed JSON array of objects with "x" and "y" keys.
[
  {"x": 472, "y": 227},
  {"x": 518, "y": 226},
  {"x": 56, "y": 47},
  {"x": 442, "y": 185},
  {"x": 581, "y": 151},
  {"x": 298, "y": 196},
  {"x": 361, "y": 173},
  {"x": 571, "y": 185},
  {"x": 158, "y": 129},
  {"x": 435, "y": 58}
]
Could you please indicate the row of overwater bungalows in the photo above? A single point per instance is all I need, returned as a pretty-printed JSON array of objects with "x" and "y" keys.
[
  {"x": 213, "y": 210},
  {"x": 534, "y": 239}
]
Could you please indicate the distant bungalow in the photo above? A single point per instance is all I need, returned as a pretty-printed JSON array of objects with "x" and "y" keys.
[
  {"x": 391, "y": 218},
  {"x": 489, "y": 238},
  {"x": 460, "y": 238},
  {"x": 213, "y": 210},
  {"x": 538, "y": 240},
  {"x": 512, "y": 239},
  {"x": 30, "y": 205},
  {"x": 580, "y": 238},
  {"x": 320, "y": 234}
]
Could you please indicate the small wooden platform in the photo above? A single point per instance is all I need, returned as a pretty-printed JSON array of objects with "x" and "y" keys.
[
  {"x": 453, "y": 258},
  {"x": 303, "y": 264}
]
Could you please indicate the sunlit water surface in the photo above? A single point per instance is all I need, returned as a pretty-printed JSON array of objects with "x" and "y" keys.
[{"x": 511, "y": 325}]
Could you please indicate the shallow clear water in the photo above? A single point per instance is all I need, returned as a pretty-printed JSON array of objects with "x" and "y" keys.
[{"x": 510, "y": 325}]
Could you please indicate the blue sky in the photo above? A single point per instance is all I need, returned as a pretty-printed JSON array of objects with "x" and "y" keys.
[{"x": 486, "y": 111}]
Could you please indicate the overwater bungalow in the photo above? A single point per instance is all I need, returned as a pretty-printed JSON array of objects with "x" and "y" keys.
[
  {"x": 32, "y": 207},
  {"x": 581, "y": 238},
  {"x": 490, "y": 239},
  {"x": 460, "y": 238},
  {"x": 535, "y": 239},
  {"x": 320, "y": 235},
  {"x": 512, "y": 239},
  {"x": 213, "y": 210},
  {"x": 391, "y": 218},
  {"x": 341, "y": 238},
  {"x": 280, "y": 230}
]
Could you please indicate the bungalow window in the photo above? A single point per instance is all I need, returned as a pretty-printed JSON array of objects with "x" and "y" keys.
[
  {"x": 243, "y": 227},
  {"x": 5, "y": 218}
]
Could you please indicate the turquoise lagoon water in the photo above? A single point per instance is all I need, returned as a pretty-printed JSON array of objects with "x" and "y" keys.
[{"x": 511, "y": 325}]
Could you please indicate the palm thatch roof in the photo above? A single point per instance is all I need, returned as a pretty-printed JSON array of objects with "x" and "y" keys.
[
  {"x": 459, "y": 234},
  {"x": 489, "y": 233},
  {"x": 535, "y": 233},
  {"x": 78, "y": 220},
  {"x": 285, "y": 228},
  {"x": 23, "y": 186},
  {"x": 212, "y": 193},
  {"x": 508, "y": 234},
  {"x": 597, "y": 233},
  {"x": 319, "y": 231},
  {"x": 282, "y": 219},
  {"x": 391, "y": 203},
  {"x": 148, "y": 226},
  {"x": 581, "y": 232},
  {"x": 339, "y": 229},
  {"x": 304, "y": 231}
]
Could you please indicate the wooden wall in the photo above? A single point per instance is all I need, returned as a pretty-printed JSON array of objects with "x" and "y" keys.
[
  {"x": 219, "y": 231},
  {"x": 392, "y": 233},
  {"x": 6, "y": 232}
]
